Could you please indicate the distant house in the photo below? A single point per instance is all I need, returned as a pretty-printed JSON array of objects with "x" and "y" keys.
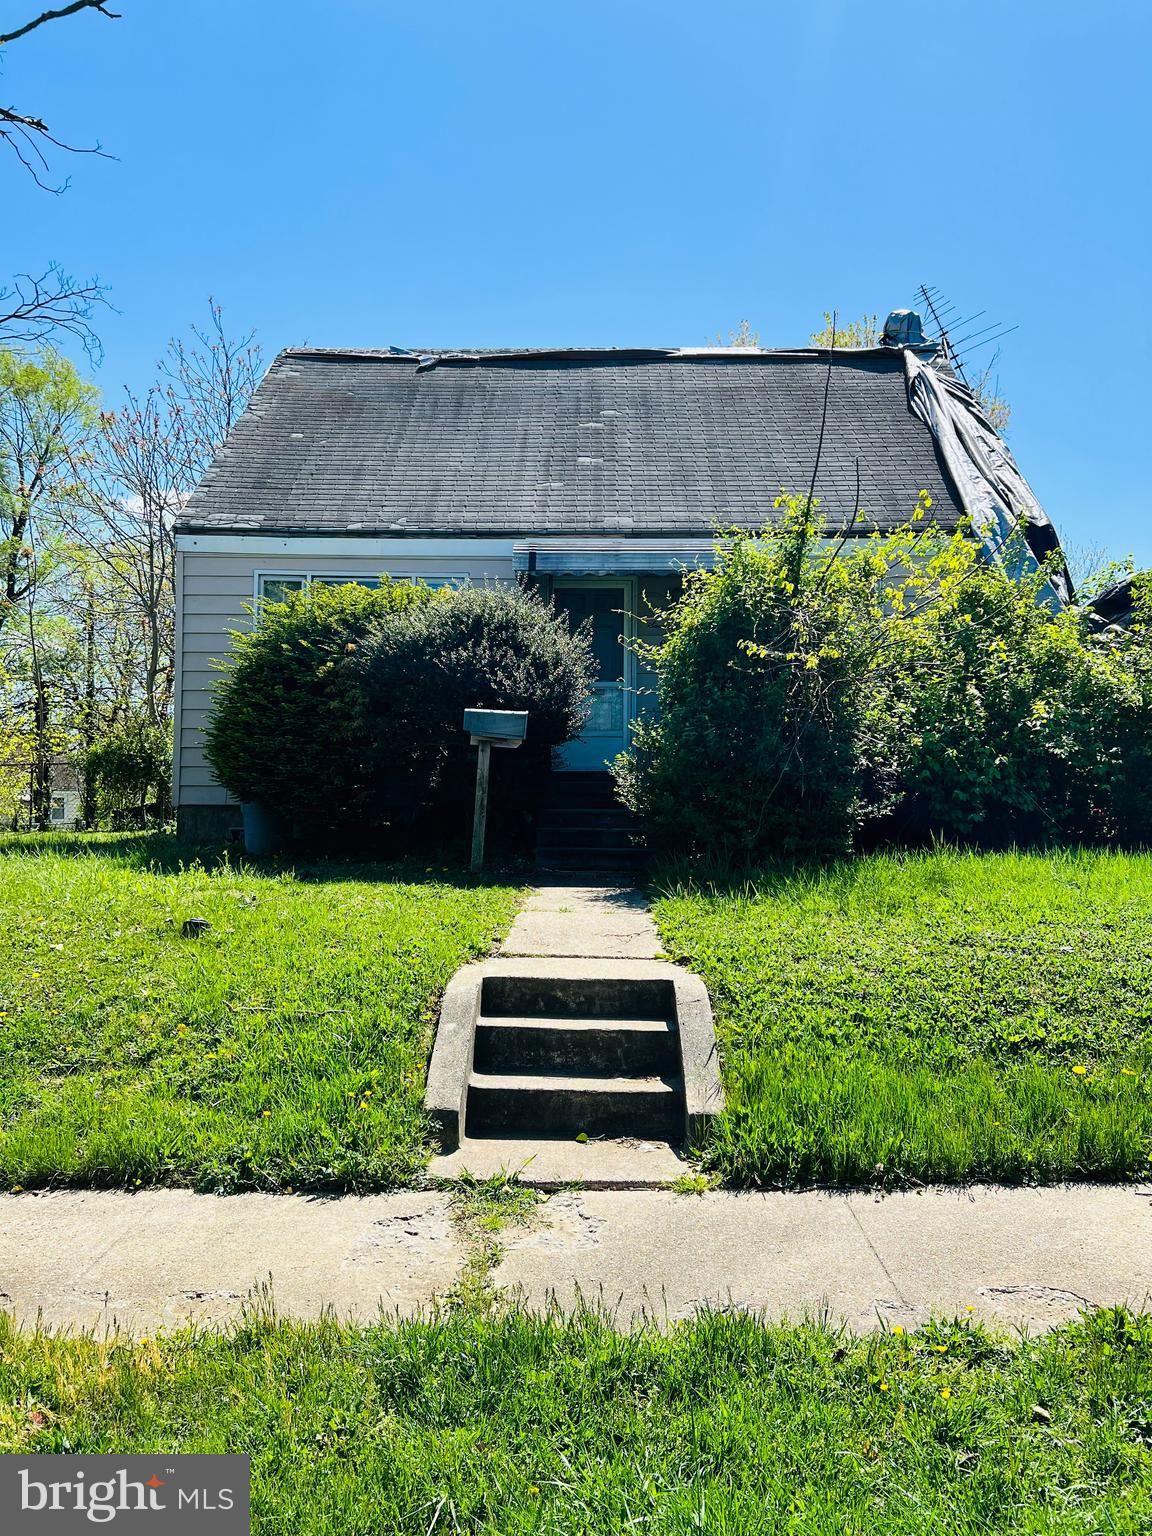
[
  {"x": 597, "y": 474},
  {"x": 65, "y": 795}
]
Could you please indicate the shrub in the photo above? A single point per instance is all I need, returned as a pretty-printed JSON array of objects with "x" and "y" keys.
[
  {"x": 128, "y": 774},
  {"x": 288, "y": 725},
  {"x": 895, "y": 682},
  {"x": 773, "y": 731},
  {"x": 493, "y": 647},
  {"x": 1020, "y": 722},
  {"x": 343, "y": 707}
]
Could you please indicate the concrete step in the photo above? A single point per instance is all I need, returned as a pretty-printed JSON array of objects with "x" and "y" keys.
[
  {"x": 554, "y": 1105},
  {"x": 603, "y": 838},
  {"x": 609, "y": 997},
  {"x": 585, "y": 817},
  {"x": 580, "y": 856},
  {"x": 587, "y": 790},
  {"x": 588, "y": 1047}
]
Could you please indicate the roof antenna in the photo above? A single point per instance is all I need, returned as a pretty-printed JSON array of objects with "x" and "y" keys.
[{"x": 943, "y": 312}]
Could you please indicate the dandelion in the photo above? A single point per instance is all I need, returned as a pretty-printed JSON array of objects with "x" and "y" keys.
[
  {"x": 896, "y": 1328},
  {"x": 266, "y": 1114},
  {"x": 945, "y": 1393},
  {"x": 1124, "y": 1071},
  {"x": 1080, "y": 1071},
  {"x": 883, "y": 1386},
  {"x": 533, "y": 1490}
]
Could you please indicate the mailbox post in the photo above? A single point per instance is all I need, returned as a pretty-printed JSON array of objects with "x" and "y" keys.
[{"x": 488, "y": 728}]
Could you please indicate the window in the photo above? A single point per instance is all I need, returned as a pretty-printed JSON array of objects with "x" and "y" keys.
[
  {"x": 59, "y": 808},
  {"x": 274, "y": 587}
]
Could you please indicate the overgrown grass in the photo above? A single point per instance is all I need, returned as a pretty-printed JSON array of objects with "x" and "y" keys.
[
  {"x": 506, "y": 1424},
  {"x": 944, "y": 1015},
  {"x": 284, "y": 1049}
]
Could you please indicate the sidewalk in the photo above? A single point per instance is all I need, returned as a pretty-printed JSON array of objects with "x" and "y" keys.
[{"x": 1016, "y": 1257}]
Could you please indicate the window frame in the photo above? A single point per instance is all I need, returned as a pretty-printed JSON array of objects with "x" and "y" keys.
[{"x": 306, "y": 578}]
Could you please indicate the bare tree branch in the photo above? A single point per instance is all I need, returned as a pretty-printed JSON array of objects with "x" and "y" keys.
[
  {"x": 66, "y": 10},
  {"x": 26, "y": 134},
  {"x": 33, "y": 309}
]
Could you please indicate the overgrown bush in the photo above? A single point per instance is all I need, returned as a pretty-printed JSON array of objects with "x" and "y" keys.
[
  {"x": 128, "y": 775},
  {"x": 493, "y": 647},
  {"x": 1018, "y": 722},
  {"x": 812, "y": 689},
  {"x": 343, "y": 707},
  {"x": 288, "y": 725}
]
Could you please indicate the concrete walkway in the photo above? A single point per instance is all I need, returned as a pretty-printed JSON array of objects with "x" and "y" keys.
[
  {"x": 596, "y": 919},
  {"x": 161, "y": 1257}
]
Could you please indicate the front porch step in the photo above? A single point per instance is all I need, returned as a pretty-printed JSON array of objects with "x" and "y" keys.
[
  {"x": 590, "y": 790},
  {"x": 566, "y": 835},
  {"x": 576, "y": 856},
  {"x": 556, "y": 1105},
  {"x": 588, "y": 816},
  {"x": 582, "y": 825},
  {"x": 587, "y": 1047},
  {"x": 564, "y": 998}
]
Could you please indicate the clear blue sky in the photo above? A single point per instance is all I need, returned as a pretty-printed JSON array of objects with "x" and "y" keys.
[{"x": 444, "y": 172}]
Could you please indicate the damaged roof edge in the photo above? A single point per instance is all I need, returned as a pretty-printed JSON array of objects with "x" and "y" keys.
[
  {"x": 998, "y": 501},
  {"x": 435, "y": 358}
]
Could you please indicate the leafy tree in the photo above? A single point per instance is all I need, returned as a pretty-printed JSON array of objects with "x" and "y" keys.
[
  {"x": 1020, "y": 722},
  {"x": 772, "y": 731},
  {"x": 47, "y": 416}
]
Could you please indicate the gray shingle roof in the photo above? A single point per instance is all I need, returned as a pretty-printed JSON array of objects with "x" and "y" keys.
[{"x": 608, "y": 442}]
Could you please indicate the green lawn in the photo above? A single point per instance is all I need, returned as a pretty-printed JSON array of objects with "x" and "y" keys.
[
  {"x": 561, "y": 1427},
  {"x": 944, "y": 1015},
  {"x": 284, "y": 1049}
]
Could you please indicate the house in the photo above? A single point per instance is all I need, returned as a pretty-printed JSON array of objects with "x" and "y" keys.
[
  {"x": 64, "y": 793},
  {"x": 597, "y": 474}
]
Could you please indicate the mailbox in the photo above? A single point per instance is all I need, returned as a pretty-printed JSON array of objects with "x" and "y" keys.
[
  {"x": 497, "y": 727},
  {"x": 488, "y": 728}
]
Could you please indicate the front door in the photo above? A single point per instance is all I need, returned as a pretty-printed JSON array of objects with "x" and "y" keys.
[{"x": 604, "y": 606}]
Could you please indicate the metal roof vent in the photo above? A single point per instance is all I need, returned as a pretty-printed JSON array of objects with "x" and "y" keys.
[{"x": 903, "y": 328}]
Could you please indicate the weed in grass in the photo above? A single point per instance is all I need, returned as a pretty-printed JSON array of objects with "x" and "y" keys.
[
  {"x": 944, "y": 1015},
  {"x": 506, "y": 1423},
  {"x": 483, "y": 1208},
  {"x": 694, "y": 1183}
]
